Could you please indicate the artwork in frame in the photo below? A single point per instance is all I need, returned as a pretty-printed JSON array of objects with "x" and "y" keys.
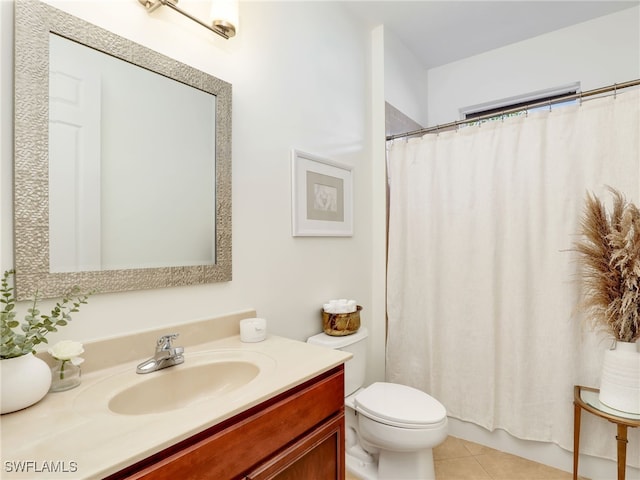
[{"x": 322, "y": 197}]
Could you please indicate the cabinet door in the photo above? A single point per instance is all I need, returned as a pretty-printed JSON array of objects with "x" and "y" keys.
[{"x": 319, "y": 455}]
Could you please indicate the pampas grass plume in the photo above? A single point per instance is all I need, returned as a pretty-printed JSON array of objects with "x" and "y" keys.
[{"x": 609, "y": 254}]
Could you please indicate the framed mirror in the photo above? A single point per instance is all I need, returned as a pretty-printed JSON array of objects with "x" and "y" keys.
[{"x": 122, "y": 162}]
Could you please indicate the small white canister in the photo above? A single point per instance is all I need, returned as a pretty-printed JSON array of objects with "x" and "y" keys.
[{"x": 253, "y": 330}]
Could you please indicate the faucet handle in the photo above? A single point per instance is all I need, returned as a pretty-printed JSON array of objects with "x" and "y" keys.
[{"x": 164, "y": 342}]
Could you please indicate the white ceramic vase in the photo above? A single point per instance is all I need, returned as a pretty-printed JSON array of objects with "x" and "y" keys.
[
  {"x": 24, "y": 381},
  {"x": 620, "y": 381}
]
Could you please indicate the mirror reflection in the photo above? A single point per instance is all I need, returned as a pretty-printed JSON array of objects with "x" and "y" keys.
[{"x": 131, "y": 165}]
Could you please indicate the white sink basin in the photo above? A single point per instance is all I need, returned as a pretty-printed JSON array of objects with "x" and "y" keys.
[
  {"x": 203, "y": 376},
  {"x": 176, "y": 387}
]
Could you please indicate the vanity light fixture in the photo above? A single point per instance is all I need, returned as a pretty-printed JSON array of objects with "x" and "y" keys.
[{"x": 224, "y": 15}]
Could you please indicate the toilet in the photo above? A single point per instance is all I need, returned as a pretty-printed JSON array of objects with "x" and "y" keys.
[{"x": 391, "y": 429}]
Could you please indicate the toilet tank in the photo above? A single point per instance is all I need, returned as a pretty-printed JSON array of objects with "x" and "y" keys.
[{"x": 354, "y": 368}]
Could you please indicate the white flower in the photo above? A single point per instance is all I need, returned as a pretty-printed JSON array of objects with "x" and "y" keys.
[{"x": 67, "y": 350}]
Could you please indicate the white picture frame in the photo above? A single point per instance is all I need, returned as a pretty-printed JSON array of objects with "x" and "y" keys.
[{"x": 321, "y": 197}]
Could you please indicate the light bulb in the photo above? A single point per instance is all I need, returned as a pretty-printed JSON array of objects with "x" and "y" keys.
[{"x": 224, "y": 16}]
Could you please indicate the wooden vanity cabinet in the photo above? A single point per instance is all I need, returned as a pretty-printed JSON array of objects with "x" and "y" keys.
[
  {"x": 298, "y": 434},
  {"x": 315, "y": 456}
]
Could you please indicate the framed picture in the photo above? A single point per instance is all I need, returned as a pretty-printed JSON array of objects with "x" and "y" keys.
[{"x": 322, "y": 197}]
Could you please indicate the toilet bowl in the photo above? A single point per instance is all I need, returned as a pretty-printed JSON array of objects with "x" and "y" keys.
[
  {"x": 401, "y": 425},
  {"x": 400, "y": 418},
  {"x": 391, "y": 429}
]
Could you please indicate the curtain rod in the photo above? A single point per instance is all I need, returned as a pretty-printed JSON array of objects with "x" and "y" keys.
[{"x": 596, "y": 91}]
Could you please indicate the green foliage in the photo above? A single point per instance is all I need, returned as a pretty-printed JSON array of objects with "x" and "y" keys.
[{"x": 20, "y": 341}]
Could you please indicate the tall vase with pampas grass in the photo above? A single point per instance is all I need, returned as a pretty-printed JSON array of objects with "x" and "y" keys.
[{"x": 609, "y": 253}]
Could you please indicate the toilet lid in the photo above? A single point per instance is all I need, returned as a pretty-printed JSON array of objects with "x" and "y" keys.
[{"x": 399, "y": 406}]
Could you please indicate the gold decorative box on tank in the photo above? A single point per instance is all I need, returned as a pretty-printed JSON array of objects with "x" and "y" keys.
[{"x": 341, "y": 317}]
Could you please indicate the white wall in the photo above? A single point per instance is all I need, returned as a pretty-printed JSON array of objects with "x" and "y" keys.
[
  {"x": 597, "y": 53},
  {"x": 405, "y": 80},
  {"x": 377, "y": 345},
  {"x": 294, "y": 86}
]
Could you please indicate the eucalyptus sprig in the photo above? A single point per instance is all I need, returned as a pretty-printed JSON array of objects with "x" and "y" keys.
[{"x": 36, "y": 325}]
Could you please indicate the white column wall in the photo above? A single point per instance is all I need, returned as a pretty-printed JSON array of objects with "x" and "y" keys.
[{"x": 405, "y": 80}]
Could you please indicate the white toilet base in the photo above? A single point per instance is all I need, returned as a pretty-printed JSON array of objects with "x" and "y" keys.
[
  {"x": 420, "y": 466},
  {"x": 406, "y": 465},
  {"x": 362, "y": 469},
  {"x": 385, "y": 464}
]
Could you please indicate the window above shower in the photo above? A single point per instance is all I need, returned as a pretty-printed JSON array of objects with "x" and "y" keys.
[{"x": 516, "y": 106}]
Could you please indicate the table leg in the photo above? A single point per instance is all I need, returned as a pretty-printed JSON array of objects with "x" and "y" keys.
[
  {"x": 622, "y": 450},
  {"x": 576, "y": 438}
]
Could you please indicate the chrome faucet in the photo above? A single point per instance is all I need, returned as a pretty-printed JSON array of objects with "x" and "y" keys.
[{"x": 166, "y": 355}]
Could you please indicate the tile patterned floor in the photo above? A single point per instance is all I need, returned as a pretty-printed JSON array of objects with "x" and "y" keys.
[{"x": 458, "y": 459}]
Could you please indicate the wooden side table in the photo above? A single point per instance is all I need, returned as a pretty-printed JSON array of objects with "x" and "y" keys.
[{"x": 587, "y": 398}]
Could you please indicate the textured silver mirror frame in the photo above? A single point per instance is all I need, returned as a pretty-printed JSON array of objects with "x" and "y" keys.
[{"x": 34, "y": 21}]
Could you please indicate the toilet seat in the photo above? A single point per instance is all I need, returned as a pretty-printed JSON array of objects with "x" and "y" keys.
[{"x": 400, "y": 406}]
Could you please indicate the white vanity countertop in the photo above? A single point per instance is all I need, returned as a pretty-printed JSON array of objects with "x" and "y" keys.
[{"x": 73, "y": 434}]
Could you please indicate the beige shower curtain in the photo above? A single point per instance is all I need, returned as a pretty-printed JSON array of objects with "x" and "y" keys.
[{"x": 482, "y": 284}]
